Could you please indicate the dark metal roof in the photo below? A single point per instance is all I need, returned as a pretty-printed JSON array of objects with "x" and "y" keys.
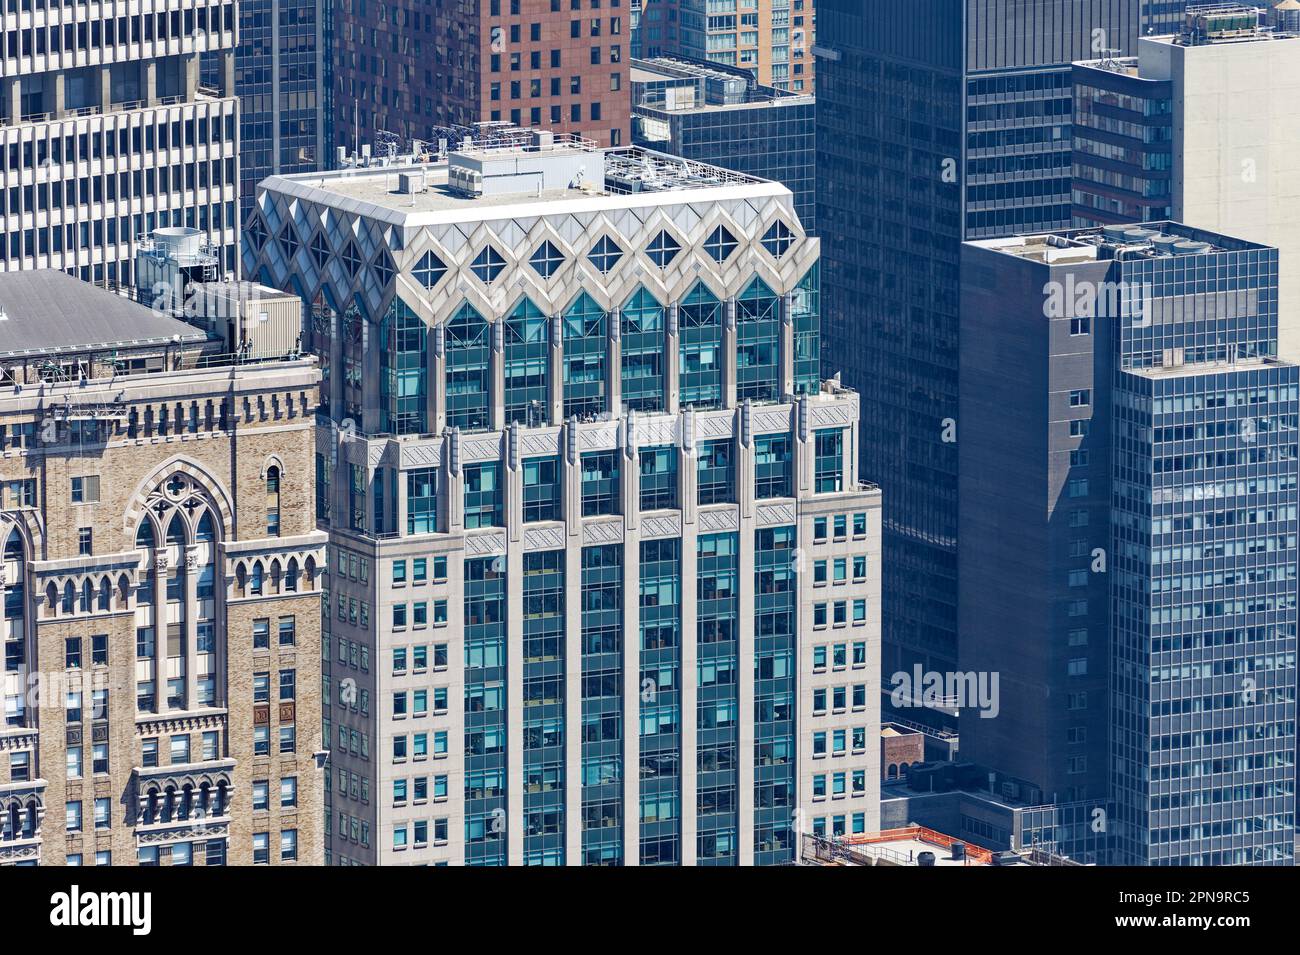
[{"x": 46, "y": 311}]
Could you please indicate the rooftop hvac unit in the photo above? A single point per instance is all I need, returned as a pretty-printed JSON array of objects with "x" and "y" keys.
[
  {"x": 1010, "y": 791},
  {"x": 465, "y": 181},
  {"x": 411, "y": 183}
]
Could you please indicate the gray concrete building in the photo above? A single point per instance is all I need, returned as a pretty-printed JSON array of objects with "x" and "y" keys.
[{"x": 604, "y": 584}]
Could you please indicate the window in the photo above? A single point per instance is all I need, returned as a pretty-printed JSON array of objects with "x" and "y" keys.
[
  {"x": 1080, "y": 326},
  {"x": 488, "y": 264},
  {"x": 600, "y": 483},
  {"x": 262, "y": 687},
  {"x": 288, "y": 792},
  {"x": 261, "y": 848},
  {"x": 546, "y": 259},
  {"x": 261, "y": 634},
  {"x": 287, "y": 631},
  {"x": 421, "y": 503},
  {"x": 663, "y": 248},
  {"x": 72, "y": 653},
  {"x": 720, "y": 244},
  {"x": 778, "y": 239},
  {"x": 288, "y": 680},
  {"x": 180, "y": 749},
  {"x": 828, "y": 468},
  {"x": 605, "y": 254},
  {"x": 85, "y": 542},
  {"x": 429, "y": 270},
  {"x": 541, "y": 489},
  {"x": 1080, "y": 398},
  {"x": 85, "y": 490},
  {"x": 261, "y": 795}
]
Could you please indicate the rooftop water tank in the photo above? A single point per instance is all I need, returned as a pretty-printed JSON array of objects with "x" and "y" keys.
[{"x": 179, "y": 241}]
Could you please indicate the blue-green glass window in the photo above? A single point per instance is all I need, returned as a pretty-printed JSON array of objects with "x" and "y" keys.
[
  {"x": 660, "y": 587},
  {"x": 774, "y": 612},
  {"x": 585, "y": 334},
  {"x": 717, "y": 472},
  {"x": 806, "y": 316},
  {"x": 662, "y": 249},
  {"x": 720, "y": 244},
  {"x": 381, "y": 480},
  {"x": 404, "y": 370},
  {"x": 483, "y": 504},
  {"x": 658, "y": 478},
  {"x": 358, "y": 487},
  {"x": 429, "y": 270},
  {"x": 778, "y": 239},
  {"x": 643, "y": 352},
  {"x": 541, "y": 489},
  {"x": 772, "y": 466},
  {"x": 700, "y": 328},
  {"x": 600, "y": 483},
  {"x": 487, "y": 265},
  {"x": 828, "y": 461},
  {"x": 469, "y": 352},
  {"x": 422, "y": 501},
  {"x": 758, "y": 326},
  {"x": 546, "y": 258},
  {"x": 527, "y": 365}
]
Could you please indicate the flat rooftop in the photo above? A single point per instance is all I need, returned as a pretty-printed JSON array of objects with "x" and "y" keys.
[
  {"x": 1196, "y": 369},
  {"x": 522, "y": 181},
  {"x": 47, "y": 312},
  {"x": 1127, "y": 241},
  {"x": 717, "y": 86}
]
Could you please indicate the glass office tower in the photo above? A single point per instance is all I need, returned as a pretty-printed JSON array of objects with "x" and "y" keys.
[{"x": 939, "y": 121}]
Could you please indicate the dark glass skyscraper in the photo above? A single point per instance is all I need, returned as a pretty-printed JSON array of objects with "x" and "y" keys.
[
  {"x": 279, "y": 66},
  {"x": 938, "y": 121},
  {"x": 722, "y": 116}
]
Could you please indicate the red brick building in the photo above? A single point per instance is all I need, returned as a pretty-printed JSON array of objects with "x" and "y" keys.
[{"x": 408, "y": 66}]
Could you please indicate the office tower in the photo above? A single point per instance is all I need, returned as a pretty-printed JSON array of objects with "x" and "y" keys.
[
  {"x": 411, "y": 74},
  {"x": 937, "y": 121},
  {"x": 722, "y": 116},
  {"x": 1123, "y": 144},
  {"x": 1129, "y": 490},
  {"x": 604, "y": 584},
  {"x": 162, "y": 580},
  {"x": 280, "y": 78},
  {"x": 773, "y": 39},
  {"x": 1214, "y": 105},
  {"x": 106, "y": 133}
]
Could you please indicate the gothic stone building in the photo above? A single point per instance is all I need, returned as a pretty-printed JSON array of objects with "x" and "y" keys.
[{"x": 161, "y": 583}]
